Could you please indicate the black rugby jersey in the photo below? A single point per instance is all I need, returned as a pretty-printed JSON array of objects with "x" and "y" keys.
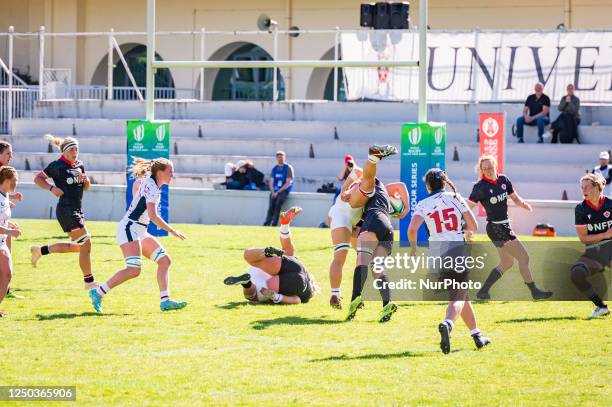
[
  {"x": 493, "y": 195},
  {"x": 65, "y": 176},
  {"x": 597, "y": 219},
  {"x": 380, "y": 201}
]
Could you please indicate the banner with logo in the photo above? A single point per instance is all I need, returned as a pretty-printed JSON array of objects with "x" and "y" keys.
[
  {"x": 492, "y": 141},
  {"x": 423, "y": 147},
  {"x": 481, "y": 66},
  {"x": 148, "y": 140}
]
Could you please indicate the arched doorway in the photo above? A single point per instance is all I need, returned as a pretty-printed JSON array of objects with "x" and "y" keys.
[
  {"x": 247, "y": 83},
  {"x": 321, "y": 83},
  {"x": 136, "y": 58}
]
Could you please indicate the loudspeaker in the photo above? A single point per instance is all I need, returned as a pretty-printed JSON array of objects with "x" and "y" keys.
[
  {"x": 381, "y": 16},
  {"x": 398, "y": 16},
  {"x": 367, "y": 15}
]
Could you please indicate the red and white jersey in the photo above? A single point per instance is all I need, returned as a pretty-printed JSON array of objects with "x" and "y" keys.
[
  {"x": 443, "y": 214},
  {"x": 5, "y": 215}
]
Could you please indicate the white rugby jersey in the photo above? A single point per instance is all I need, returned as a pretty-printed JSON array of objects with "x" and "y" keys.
[
  {"x": 148, "y": 192},
  {"x": 5, "y": 215},
  {"x": 443, "y": 214}
]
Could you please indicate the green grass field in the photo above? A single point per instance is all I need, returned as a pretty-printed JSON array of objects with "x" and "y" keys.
[{"x": 222, "y": 350}]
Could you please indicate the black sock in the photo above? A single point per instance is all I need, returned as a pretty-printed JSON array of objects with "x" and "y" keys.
[
  {"x": 359, "y": 278},
  {"x": 247, "y": 284},
  {"x": 44, "y": 250},
  {"x": 532, "y": 287},
  {"x": 597, "y": 300},
  {"x": 89, "y": 278},
  {"x": 385, "y": 292},
  {"x": 493, "y": 277}
]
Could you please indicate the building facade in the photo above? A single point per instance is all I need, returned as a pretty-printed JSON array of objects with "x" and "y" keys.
[{"x": 86, "y": 57}]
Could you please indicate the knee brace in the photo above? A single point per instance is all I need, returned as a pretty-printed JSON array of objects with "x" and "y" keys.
[
  {"x": 366, "y": 194},
  {"x": 81, "y": 240},
  {"x": 133, "y": 262},
  {"x": 158, "y": 254},
  {"x": 365, "y": 250},
  {"x": 342, "y": 247}
]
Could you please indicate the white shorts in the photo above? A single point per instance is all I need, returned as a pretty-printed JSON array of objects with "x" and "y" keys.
[
  {"x": 259, "y": 279},
  {"x": 129, "y": 231},
  {"x": 343, "y": 215}
]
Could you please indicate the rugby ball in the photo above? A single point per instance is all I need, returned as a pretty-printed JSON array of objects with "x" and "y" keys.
[{"x": 396, "y": 203}]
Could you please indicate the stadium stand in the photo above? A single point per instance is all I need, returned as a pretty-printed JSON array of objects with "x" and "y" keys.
[{"x": 205, "y": 136}]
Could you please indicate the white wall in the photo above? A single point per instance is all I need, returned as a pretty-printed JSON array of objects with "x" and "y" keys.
[{"x": 206, "y": 206}]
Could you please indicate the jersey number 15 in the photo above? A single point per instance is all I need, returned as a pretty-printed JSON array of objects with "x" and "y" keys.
[{"x": 448, "y": 220}]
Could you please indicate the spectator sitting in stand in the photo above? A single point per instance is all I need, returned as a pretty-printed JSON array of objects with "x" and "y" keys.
[
  {"x": 535, "y": 113},
  {"x": 565, "y": 127}
]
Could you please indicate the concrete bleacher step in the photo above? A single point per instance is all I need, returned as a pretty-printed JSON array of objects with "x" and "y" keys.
[
  {"x": 298, "y": 111},
  {"x": 357, "y": 131},
  {"x": 585, "y": 154}
]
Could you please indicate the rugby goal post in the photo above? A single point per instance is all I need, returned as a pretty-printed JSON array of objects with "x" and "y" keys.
[{"x": 152, "y": 64}]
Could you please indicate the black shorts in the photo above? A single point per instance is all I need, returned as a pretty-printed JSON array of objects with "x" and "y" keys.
[
  {"x": 293, "y": 279},
  {"x": 379, "y": 223},
  {"x": 70, "y": 218},
  {"x": 602, "y": 254},
  {"x": 500, "y": 233}
]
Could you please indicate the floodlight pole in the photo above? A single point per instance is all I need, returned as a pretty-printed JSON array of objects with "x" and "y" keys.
[
  {"x": 150, "y": 96},
  {"x": 423, "y": 61}
]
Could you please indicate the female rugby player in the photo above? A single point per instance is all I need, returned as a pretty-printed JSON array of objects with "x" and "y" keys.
[
  {"x": 276, "y": 275},
  {"x": 8, "y": 183},
  {"x": 594, "y": 228},
  {"x": 492, "y": 191},
  {"x": 342, "y": 222},
  {"x": 6, "y": 154},
  {"x": 443, "y": 212},
  {"x": 69, "y": 182},
  {"x": 133, "y": 237},
  {"x": 376, "y": 235}
]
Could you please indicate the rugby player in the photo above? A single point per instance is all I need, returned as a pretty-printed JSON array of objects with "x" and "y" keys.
[
  {"x": 376, "y": 234},
  {"x": 8, "y": 183},
  {"x": 69, "y": 183},
  {"x": 276, "y": 275},
  {"x": 133, "y": 238},
  {"x": 492, "y": 191},
  {"x": 593, "y": 219},
  {"x": 6, "y": 154},
  {"x": 447, "y": 217}
]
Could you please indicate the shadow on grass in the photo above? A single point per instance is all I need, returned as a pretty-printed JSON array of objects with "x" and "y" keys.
[
  {"x": 234, "y": 305},
  {"x": 265, "y": 323},
  {"x": 397, "y": 355},
  {"x": 539, "y": 319},
  {"x": 51, "y": 317}
]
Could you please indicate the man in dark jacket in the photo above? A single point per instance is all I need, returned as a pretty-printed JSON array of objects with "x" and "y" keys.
[{"x": 567, "y": 123}]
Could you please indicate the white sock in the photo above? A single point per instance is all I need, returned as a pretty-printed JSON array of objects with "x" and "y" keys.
[
  {"x": 373, "y": 159},
  {"x": 335, "y": 291},
  {"x": 450, "y": 323},
  {"x": 285, "y": 231},
  {"x": 103, "y": 289},
  {"x": 164, "y": 295},
  {"x": 475, "y": 331}
]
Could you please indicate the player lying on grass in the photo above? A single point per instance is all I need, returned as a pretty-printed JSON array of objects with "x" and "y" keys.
[
  {"x": 447, "y": 217},
  {"x": 133, "y": 237},
  {"x": 69, "y": 183},
  {"x": 8, "y": 183},
  {"x": 343, "y": 221},
  {"x": 493, "y": 190},
  {"x": 376, "y": 234},
  {"x": 593, "y": 225},
  {"x": 276, "y": 275}
]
